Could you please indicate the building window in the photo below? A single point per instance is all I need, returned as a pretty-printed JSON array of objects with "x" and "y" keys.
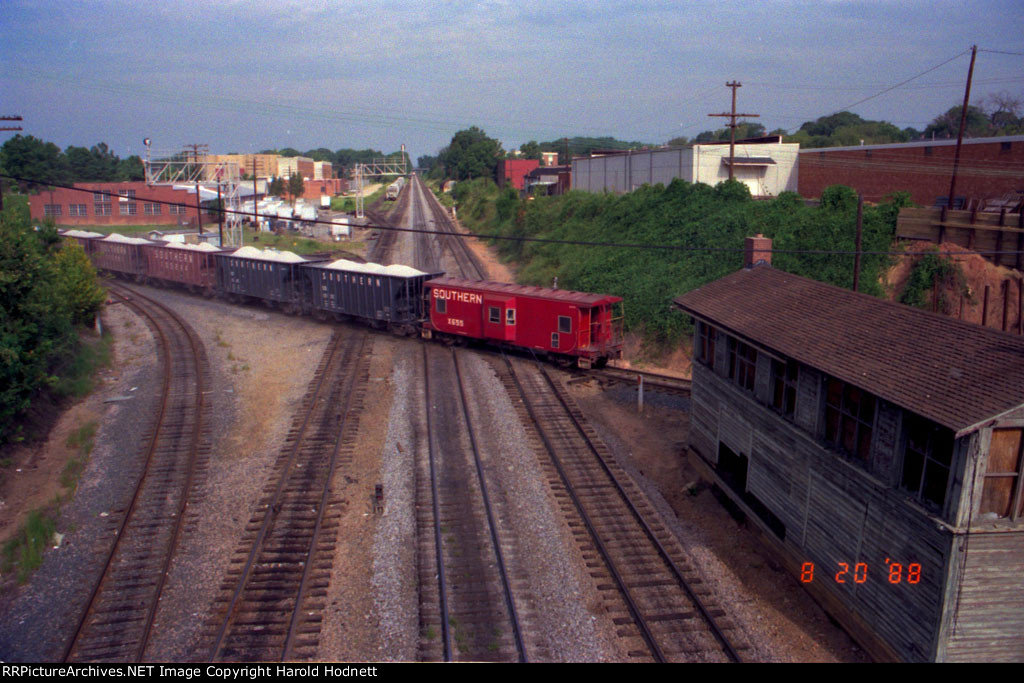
[
  {"x": 102, "y": 209},
  {"x": 129, "y": 209},
  {"x": 784, "y": 379},
  {"x": 510, "y": 316},
  {"x": 442, "y": 305},
  {"x": 494, "y": 314},
  {"x": 178, "y": 209},
  {"x": 849, "y": 418},
  {"x": 51, "y": 210},
  {"x": 1005, "y": 147},
  {"x": 564, "y": 324},
  {"x": 77, "y": 210},
  {"x": 742, "y": 363},
  {"x": 126, "y": 195},
  {"x": 706, "y": 345},
  {"x": 151, "y": 209},
  {"x": 1002, "y": 495},
  {"x": 927, "y": 459}
]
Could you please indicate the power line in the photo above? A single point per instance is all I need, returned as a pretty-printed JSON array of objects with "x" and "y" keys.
[{"x": 543, "y": 240}]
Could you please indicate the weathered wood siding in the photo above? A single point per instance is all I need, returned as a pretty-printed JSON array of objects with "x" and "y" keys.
[
  {"x": 984, "y": 612},
  {"x": 834, "y": 510}
]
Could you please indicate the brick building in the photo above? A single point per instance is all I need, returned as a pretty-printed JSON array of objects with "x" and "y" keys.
[
  {"x": 989, "y": 168},
  {"x": 513, "y": 172},
  {"x": 127, "y": 203},
  {"x": 878, "y": 449}
]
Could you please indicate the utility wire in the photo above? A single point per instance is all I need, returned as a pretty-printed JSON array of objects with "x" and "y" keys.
[{"x": 542, "y": 240}]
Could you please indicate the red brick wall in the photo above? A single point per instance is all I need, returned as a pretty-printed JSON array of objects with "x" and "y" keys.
[
  {"x": 513, "y": 171},
  {"x": 71, "y": 201},
  {"x": 987, "y": 169}
]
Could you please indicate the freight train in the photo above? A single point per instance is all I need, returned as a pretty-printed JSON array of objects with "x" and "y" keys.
[{"x": 570, "y": 328}]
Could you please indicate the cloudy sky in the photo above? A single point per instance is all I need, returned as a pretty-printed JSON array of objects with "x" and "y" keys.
[{"x": 246, "y": 76}]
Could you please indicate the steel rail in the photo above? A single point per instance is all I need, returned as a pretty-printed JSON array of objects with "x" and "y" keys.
[
  {"x": 197, "y": 354},
  {"x": 666, "y": 558},
  {"x": 442, "y": 583},
  {"x": 257, "y": 544},
  {"x": 492, "y": 524},
  {"x": 620, "y": 582}
]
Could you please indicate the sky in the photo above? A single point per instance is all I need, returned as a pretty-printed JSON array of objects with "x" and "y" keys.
[{"x": 247, "y": 76}]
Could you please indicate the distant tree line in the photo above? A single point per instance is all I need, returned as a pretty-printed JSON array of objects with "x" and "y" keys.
[
  {"x": 25, "y": 156},
  {"x": 998, "y": 114}
]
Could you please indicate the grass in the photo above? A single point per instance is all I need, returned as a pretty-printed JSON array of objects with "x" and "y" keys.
[
  {"x": 82, "y": 440},
  {"x": 294, "y": 243},
  {"x": 76, "y": 378},
  {"x": 24, "y": 552}
]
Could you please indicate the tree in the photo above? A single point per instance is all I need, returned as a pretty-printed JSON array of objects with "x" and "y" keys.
[
  {"x": 296, "y": 188},
  {"x": 77, "y": 286},
  {"x": 471, "y": 154},
  {"x": 948, "y": 125},
  {"x": 277, "y": 187},
  {"x": 744, "y": 129},
  {"x": 681, "y": 141},
  {"x": 531, "y": 150},
  {"x": 32, "y": 159}
]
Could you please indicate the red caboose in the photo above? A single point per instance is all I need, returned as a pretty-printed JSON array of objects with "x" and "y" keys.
[{"x": 567, "y": 326}]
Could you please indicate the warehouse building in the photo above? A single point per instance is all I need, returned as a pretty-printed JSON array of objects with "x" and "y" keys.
[
  {"x": 989, "y": 168},
  {"x": 766, "y": 166},
  {"x": 877, "y": 447},
  {"x": 123, "y": 203}
]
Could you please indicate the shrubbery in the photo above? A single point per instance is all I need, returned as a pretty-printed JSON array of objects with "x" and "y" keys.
[
  {"x": 697, "y": 232},
  {"x": 45, "y": 289}
]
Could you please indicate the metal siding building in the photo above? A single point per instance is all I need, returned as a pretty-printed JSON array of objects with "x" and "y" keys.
[{"x": 766, "y": 168}]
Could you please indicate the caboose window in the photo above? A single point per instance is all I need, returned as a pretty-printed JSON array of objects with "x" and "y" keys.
[
  {"x": 554, "y": 340},
  {"x": 494, "y": 314},
  {"x": 510, "y": 316},
  {"x": 564, "y": 324},
  {"x": 442, "y": 305}
]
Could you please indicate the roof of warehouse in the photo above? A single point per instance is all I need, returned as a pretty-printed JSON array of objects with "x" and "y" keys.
[
  {"x": 955, "y": 373},
  {"x": 503, "y": 289}
]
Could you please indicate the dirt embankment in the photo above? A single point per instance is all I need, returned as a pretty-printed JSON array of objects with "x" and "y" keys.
[{"x": 993, "y": 293}]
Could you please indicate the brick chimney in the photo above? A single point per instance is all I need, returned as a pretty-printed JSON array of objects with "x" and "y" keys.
[{"x": 758, "y": 252}]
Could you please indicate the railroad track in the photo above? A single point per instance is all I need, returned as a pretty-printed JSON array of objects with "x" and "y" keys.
[
  {"x": 468, "y": 263},
  {"x": 117, "y": 623},
  {"x": 660, "y": 606},
  {"x": 467, "y": 608},
  {"x": 272, "y": 601},
  {"x": 385, "y": 244}
]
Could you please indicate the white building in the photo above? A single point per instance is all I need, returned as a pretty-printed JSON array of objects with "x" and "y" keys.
[{"x": 767, "y": 168}]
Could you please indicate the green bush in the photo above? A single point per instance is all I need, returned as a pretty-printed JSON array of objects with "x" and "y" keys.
[{"x": 697, "y": 232}]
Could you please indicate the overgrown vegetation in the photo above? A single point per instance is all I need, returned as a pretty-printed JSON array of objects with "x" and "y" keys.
[
  {"x": 695, "y": 234},
  {"x": 931, "y": 272},
  {"x": 24, "y": 552},
  {"x": 45, "y": 290}
]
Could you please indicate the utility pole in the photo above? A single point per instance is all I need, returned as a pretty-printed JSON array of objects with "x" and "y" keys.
[
  {"x": 963, "y": 123},
  {"x": 7, "y": 128},
  {"x": 732, "y": 123}
]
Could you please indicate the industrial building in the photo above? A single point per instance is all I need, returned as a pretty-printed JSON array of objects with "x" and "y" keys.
[
  {"x": 512, "y": 172},
  {"x": 766, "y": 166},
  {"x": 121, "y": 203},
  {"x": 989, "y": 168},
  {"x": 877, "y": 447}
]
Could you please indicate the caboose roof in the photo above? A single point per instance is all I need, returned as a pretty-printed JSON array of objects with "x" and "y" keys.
[
  {"x": 955, "y": 373},
  {"x": 505, "y": 289}
]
